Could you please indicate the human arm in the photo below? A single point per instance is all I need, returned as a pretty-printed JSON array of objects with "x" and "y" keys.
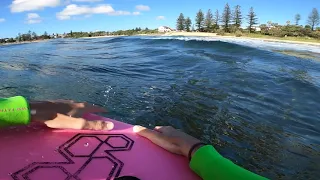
[
  {"x": 55, "y": 114},
  {"x": 205, "y": 161},
  {"x": 210, "y": 165},
  {"x": 14, "y": 111}
]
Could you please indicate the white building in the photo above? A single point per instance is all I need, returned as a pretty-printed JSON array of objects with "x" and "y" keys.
[
  {"x": 164, "y": 29},
  {"x": 256, "y": 28}
]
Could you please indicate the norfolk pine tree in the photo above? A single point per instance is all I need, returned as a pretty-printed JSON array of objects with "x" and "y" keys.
[
  {"x": 216, "y": 20},
  {"x": 237, "y": 16},
  {"x": 187, "y": 24},
  {"x": 313, "y": 19},
  {"x": 252, "y": 19},
  {"x": 208, "y": 21},
  {"x": 297, "y": 18},
  {"x": 180, "y": 22},
  {"x": 199, "y": 20},
  {"x": 226, "y": 18}
]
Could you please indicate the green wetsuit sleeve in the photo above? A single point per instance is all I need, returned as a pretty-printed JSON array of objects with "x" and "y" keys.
[
  {"x": 14, "y": 111},
  {"x": 210, "y": 165}
]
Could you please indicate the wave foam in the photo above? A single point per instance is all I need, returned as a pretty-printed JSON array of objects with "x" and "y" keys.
[{"x": 255, "y": 43}]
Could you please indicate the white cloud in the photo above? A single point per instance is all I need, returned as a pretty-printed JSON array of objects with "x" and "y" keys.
[
  {"x": 33, "y": 21},
  {"x": 120, "y": 13},
  {"x": 30, "y": 5},
  {"x": 73, "y": 10},
  {"x": 76, "y": 10},
  {"x": 2, "y": 20},
  {"x": 161, "y": 18},
  {"x": 136, "y": 13},
  {"x": 87, "y": 0},
  {"x": 142, "y": 8},
  {"x": 33, "y": 18}
]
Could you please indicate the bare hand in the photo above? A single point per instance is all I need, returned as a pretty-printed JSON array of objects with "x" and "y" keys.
[
  {"x": 67, "y": 114},
  {"x": 168, "y": 138}
]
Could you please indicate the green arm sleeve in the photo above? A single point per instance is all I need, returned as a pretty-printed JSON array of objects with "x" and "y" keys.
[
  {"x": 14, "y": 111},
  {"x": 210, "y": 165}
]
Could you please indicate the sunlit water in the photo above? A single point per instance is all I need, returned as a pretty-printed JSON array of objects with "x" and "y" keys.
[{"x": 258, "y": 107}]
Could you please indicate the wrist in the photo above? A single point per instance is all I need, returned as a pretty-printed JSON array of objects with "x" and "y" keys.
[
  {"x": 194, "y": 148},
  {"x": 42, "y": 110},
  {"x": 40, "y": 105}
]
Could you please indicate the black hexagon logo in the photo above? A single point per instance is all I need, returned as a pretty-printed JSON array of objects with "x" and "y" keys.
[
  {"x": 37, "y": 170},
  {"x": 119, "y": 142}
]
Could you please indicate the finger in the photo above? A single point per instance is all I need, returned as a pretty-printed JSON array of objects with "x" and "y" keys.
[
  {"x": 145, "y": 132},
  {"x": 164, "y": 129},
  {"x": 157, "y": 138},
  {"x": 98, "y": 125},
  {"x": 158, "y": 128},
  {"x": 65, "y": 122}
]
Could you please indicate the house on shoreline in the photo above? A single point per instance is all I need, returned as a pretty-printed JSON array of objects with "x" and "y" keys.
[{"x": 163, "y": 29}]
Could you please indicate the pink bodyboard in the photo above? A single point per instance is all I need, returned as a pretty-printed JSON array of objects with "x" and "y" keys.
[{"x": 38, "y": 153}]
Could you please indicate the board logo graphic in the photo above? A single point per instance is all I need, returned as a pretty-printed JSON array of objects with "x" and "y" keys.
[{"x": 71, "y": 156}]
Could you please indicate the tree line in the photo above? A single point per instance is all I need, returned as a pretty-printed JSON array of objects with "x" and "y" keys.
[
  {"x": 32, "y": 36},
  {"x": 230, "y": 21},
  {"x": 128, "y": 32},
  {"x": 29, "y": 36}
]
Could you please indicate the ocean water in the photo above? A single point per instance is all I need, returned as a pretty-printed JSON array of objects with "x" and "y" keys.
[{"x": 256, "y": 102}]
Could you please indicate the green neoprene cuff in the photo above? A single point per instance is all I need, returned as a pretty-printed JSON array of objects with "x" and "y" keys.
[
  {"x": 210, "y": 165},
  {"x": 202, "y": 158},
  {"x": 14, "y": 111}
]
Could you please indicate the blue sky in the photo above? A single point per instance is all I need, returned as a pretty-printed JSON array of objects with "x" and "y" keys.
[{"x": 58, "y": 16}]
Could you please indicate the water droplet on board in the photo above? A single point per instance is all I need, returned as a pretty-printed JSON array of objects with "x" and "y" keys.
[
  {"x": 42, "y": 157},
  {"x": 9, "y": 174},
  {"x": 86, "y": 144}
]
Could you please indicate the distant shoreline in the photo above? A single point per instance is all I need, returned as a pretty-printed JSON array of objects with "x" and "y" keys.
[
  {"x": 24, "y": 42},
  {"x": 194, "y": 34},
  {"x": 95, "y": 37}
]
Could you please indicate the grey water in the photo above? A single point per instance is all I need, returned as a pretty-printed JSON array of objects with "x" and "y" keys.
[{"x": 258, "y": 107}]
